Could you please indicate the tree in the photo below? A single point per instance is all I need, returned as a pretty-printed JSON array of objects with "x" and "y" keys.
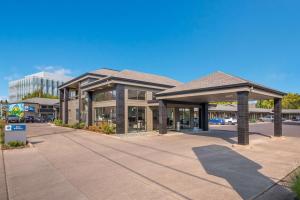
[
  {"x": 289, "y": 101},
  {"x": 40, "y": 94}
]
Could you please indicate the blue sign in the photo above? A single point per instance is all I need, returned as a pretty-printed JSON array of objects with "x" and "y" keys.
[{"x": 15, "y": 127}]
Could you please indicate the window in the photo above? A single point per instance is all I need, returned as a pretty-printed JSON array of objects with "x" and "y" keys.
[
  {"x": 136, "y": 118},
  {"x": 136, "y": 94},
  {"x": 105, "y": 114},
  {"x": 72, "y": 94},
  {"x": 104, "y": 95}
]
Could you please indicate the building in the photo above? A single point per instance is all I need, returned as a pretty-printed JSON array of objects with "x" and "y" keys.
[
  {"x": 136, "y": 101},
  {"x": 230, "y": 110},
  {"x": 43, "y": 81},
  {"x": 41, "y": 108}
]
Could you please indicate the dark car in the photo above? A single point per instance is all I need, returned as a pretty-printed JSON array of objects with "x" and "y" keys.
[
  {"x": 218, "y": 121},
  {"x": 13, "y": 119},
  {"x": 39, "y": 120},
  {"x": 29, "y": 119}
]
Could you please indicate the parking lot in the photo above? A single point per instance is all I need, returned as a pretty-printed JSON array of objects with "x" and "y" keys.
[{"x": 76, "y": 164}]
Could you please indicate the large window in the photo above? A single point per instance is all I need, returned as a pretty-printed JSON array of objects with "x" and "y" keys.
[
  {"x": 136, "y": 118},
  {"x": 136, "y": 94},
  {"x": 104, "y": 95},
  {"x": 107, "y": 114}
]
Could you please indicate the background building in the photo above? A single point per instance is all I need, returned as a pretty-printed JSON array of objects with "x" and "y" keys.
[{"x": 45, "y": 82}]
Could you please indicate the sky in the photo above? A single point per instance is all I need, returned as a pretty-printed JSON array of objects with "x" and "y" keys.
[{"x": 182, "y": 39}]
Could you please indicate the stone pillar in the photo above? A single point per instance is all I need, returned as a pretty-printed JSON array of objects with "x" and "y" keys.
[
  {"x": 176, "y": 117},
  {"x": 200, "y": 117},
  {"x": 61, "y": 101},
  {"x": 204, "y": 116},
  {"x": 66, "y": 108},
  {"x": 243, "y": 118},
  {"x": 277, "y": 117},
  {"x": 120, "y": 109},
  {"x": 163, "y": 115},
  {"x": 192, "y": 117},
  {"x": 89, "y": 108},
  {"x": 79, "y": 103}
]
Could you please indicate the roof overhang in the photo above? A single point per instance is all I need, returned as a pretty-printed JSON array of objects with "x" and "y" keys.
[
  {"x": 223, "y": 93},
  {"x": 75, "y": 81}
]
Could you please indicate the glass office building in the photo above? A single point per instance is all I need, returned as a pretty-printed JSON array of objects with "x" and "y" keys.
[{"x": 43, "y": 81}]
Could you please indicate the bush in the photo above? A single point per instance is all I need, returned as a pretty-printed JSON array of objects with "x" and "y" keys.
[
  {"x": 108, "y": 128},
  {"x": 296, "y": 185},
  {"x": 252, "y": 121},
  {"x": 58, "y": 122},
  {"x": 80, "y": 125},
  {"x": 94, "y": 128},
  {"x": 16, "y": 144}
]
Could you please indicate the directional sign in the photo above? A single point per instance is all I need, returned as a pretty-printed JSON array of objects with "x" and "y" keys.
[{"x": 15, "y": 132}]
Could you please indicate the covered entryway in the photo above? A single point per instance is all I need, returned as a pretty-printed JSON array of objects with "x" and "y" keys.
[{"x": 219, "y": 87}]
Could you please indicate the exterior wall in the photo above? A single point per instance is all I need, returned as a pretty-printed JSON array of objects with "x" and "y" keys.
[
  {"x": 143, "y": 103},
  {"x": 73, "y": 106}
]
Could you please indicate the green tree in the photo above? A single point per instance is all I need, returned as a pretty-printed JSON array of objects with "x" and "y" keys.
[{"x": 289, "y": 101}]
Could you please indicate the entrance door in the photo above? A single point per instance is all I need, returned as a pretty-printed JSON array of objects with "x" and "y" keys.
[
  {"x": 136, "y": 118},
  {"x": 185, "y": 118}
]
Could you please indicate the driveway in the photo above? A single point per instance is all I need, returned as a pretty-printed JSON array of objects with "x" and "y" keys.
[{"x": 76, "y": 164}]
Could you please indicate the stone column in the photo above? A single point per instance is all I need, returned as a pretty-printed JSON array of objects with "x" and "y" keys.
[
  {"x": 79, "y": 102},
  {"x": 176, "y": 117},
  {"x": 192, "y": 117},
  {"x": 89, "y": 108},
  {"x": 277, "y": 117},
  {"x": 243, "y": 118},
  {"x": 120, "y": 109},
  {"x": 66, "y": 108},
  {"x": 61, "y": 101},
  {"x": 204, "y": 116},
  {"x": 163, "y": 115}
]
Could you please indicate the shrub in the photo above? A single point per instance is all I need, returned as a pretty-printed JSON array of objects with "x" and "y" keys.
[
  {"x": 58, "y": 122},
  {"x": 296, "y": 184},
  {"x": 80, "y": 125},
  {"x": 16, "y": 144},
  {"x": 108, "y": 128},
  {"x": 2, "y": 125},
  {"x": 65, "y": 125},
  {"x": 252, "y": 121},
  {"x": 94, "y": 128}
]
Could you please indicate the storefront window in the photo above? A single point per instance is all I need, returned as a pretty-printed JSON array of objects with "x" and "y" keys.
[
  {"x": 136, "y": 94},
  {"x": 104, "y": 95},
  {"x": 107, "y": 114},
  {"x": 136, "y": 118}
]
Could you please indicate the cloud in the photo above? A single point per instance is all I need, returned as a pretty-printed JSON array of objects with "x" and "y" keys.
[
  {"x": 11, "y": 77},
  {"x": 278, "y": 76},
  {"x": 57, "y": 70}
]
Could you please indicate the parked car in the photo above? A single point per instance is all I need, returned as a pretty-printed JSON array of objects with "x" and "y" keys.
[
  {"x": 230, "y": 120},
  {"x": 296, "y": 119},
  {"x": 13, "y": 119},
  {"x": 218, "y": 121},
  {"x": 268, "y": 118},
  {"x": 29, "y": 119},
  {"x": 38, "y": 119}
]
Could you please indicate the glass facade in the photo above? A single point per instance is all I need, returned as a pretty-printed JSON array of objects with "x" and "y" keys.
[
  {"x": 136, "y": 94},
  {"x": 104, "y": 95},
  {"x": 136, "y": 118},
  {"x": 106, "y": 114},
  {"x": 22, "y": 87}
]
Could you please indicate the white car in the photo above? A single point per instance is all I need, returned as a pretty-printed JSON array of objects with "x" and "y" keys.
[{"x": 230, "y": 120}]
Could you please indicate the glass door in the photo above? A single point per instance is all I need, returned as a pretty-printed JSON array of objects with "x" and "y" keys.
[
  {"x": 185, "y": 118},
  {"x": 136, "y": 118}
]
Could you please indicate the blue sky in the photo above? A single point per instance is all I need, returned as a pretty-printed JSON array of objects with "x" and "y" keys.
[{"x": 257, "y": 40}]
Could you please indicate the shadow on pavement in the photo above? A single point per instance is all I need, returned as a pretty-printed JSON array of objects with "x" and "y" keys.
[{"x": 240, "y": 172}]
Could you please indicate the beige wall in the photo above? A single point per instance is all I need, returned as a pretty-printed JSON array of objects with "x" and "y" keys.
[{"x": 72, "y": 106}]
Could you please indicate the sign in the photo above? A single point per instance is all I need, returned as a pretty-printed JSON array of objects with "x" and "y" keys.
[
  {"x": 13, "y": 127},
  {"x": 16, "y": 109},
  {"x": 30, "y": 108},
  {"x": 15, "y": 132}
]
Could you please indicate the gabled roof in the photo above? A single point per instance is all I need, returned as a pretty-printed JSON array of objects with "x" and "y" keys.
[
  {"x": 216, "y": 80},
  {"x": 135, "y": 77},
  {"x": 151, "y": 78},
  {"x": 105, "y": 71}
]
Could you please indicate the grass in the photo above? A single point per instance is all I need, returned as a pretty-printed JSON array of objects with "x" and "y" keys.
[{"x": 296, "y": 184}]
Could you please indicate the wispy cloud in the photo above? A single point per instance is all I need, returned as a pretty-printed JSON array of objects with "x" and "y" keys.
[
  {"x": 278, "y": 76},
  {"x": 11, "y": 77},
  {"x": 57, "y": 70}
]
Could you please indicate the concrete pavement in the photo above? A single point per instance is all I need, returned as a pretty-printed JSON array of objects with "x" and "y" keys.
[{"x": 75, "y": 164}]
